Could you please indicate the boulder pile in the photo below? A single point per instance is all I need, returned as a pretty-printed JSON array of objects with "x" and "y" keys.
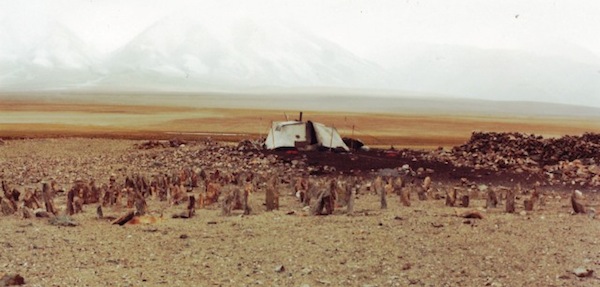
[{"x": 567, "y": 160}]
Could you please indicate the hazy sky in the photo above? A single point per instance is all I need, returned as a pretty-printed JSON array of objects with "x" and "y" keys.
[
  {"x": 373, "y": 30},
  {"x": 364, "y": 27}
]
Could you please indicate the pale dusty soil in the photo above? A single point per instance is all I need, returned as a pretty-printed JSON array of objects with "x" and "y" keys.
[{"x": 425, "y": 244}]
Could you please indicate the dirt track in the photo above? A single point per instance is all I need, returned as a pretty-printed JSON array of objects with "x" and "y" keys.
[{"x": 425, "y": 244}]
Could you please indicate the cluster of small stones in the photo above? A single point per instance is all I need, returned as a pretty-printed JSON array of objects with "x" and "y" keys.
[
  {"x": 228, "y": 175},
  {"x": 569, "y": 160}
]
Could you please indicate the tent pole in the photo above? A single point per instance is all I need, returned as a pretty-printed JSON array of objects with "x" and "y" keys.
[
  {"x": 273, "y": 133},
  {"x": 331, "y": 138}
]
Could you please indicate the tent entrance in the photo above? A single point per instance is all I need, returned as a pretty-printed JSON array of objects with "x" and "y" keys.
[{"x": 311, "y": 135}]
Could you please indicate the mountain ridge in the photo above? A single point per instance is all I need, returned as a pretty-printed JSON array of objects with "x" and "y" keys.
[{"x": 246, "y": 56}]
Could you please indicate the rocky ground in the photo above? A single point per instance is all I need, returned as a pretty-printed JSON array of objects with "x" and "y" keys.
[{"x": 424, "y": 244}]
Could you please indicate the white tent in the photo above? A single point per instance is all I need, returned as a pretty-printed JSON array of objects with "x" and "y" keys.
[{"x": 298, "y": 134}]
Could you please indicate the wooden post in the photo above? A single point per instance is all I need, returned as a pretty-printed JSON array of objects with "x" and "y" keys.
[
  {"x": 140, "y": 204},
  {"x": 48, "y": 198},
  {"x": 94, "y": 192},
  {"x": 70, "y": 198},
  {"x": 245, "y": 205},
  {"x": 191, "y": 206},
  {"x": 425, "y": 188},
  {"x": 352, "y": 194},
  {"x": 30, "y": 200},
  {"x": 272, "y": 195},
  {"x": 405, "y": 196},
  {"x": 577, "y": 206},
  {"x": 276, "y": 193},
  {"x": 118, "y": 197},
  {"x": 319, "y": 204},
  {"x": 99, "y": 212},
  {"x": 162, "y": 193},
  {"x": 329, "y": 203},
  {"x": 510, "y": 201},
  {"x": 11, "y": 203},
  {"x": 422, "y": 194},
  {"x": 26, "y": 212},
  {"x": 5, "y": 187},
  {"x": 383, "y": 200},
  {"x": 270, "y": 199},
  {"x": 78, "y": 204},
  {"x": 464, "y": 201},
  {"x": 12, "y": 197},
  {"x": 492, "y": 200},
  {"x": 398, "y": 185},
  {"x": 474, "y": 193},
  {"x": 377, "y": 185},
  {"x": 308, "y": 193},
  {"x": 227, "y": 202},
  {"x": 325, "y": 200},
  {"x": 6, "y": 206},
  {"x": 107, "y": 197},
  {"x": 528, "y": 203},
  {"x": 451, "y": 197}
]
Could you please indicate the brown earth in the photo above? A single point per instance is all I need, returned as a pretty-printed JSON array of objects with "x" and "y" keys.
[{"x": 425, "y": 244}]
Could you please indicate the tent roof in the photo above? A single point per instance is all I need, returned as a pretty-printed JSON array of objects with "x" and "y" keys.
[{"x": 325, "y": 136}]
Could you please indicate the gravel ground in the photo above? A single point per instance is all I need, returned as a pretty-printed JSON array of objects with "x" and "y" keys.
[{"x": 425, "y": 244}]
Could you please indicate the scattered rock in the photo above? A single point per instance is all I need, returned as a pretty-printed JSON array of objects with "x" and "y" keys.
[
  {"x": 63, "y": 220},
  {"x": 280, "y": 268},
  {"x": 582, "y": 272},
  {"x": 41, "y": 213},
  {"x": 11, "y": 280},
  {"x": 306, "y": 271},
  {"x": 475, "y": 214},
  {"x": 124, "y": 219},
  {"x": 591, "y": 213}
]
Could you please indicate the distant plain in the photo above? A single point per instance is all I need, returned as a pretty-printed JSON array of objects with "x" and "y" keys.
[{"x": 378, "y": 121}]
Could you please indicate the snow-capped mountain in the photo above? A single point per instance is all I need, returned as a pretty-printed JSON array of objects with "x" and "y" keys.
[
  {"x": 182, "y": 54},
  {"x": 176, "y": 55},
  {"x": 58, "y": 60},
  {"x": 511, "y": 75}
]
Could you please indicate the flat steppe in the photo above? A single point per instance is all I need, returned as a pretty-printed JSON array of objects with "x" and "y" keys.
[{"x": 379, "y": 122}]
